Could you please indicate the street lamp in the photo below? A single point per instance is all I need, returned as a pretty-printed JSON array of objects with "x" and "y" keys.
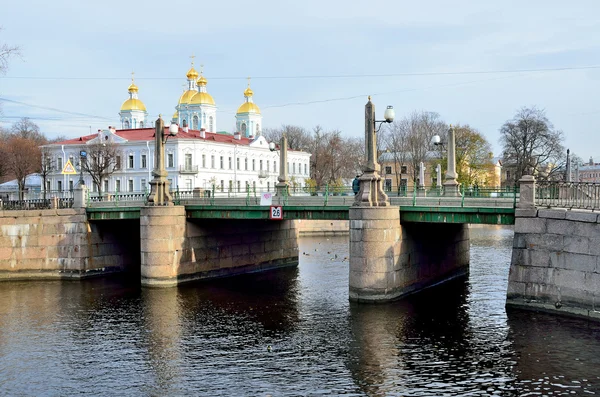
[
  {"x": 159, "y": 185},
  {"x": 450, "y": 183},
  {"x": 371, "y": 192},
  {"x": 82, "y": 159}
]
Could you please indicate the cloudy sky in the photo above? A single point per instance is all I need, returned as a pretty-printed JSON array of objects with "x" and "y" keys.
[{"x": 312, "y": 62}]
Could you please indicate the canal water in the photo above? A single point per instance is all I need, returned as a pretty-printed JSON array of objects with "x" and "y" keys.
[{"x": 292, "y": 332}]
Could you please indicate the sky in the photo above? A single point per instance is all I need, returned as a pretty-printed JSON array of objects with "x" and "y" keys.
[{"x": 311, "y": 62}]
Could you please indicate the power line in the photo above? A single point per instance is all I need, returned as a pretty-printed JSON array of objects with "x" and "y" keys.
[
  {"x": 54, "y": 109},
  {"x": 335, "y": 76}
]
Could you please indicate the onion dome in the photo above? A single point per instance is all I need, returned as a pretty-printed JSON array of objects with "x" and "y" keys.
[
  {"x": 132, "y": 88},
  {"x": 175, "y": 115},
  {"x": 192, "y": 74},
  {"x": 202, "y": 98},
  {"x": 249, "y": 106},
  {"x": 186, "y": 97},
  {"x": 133, "y": 104},
  {"x": 201, "y": 81}
]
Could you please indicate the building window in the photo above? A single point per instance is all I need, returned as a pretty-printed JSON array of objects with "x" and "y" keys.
[
  {"x": 246, "y": 163},
  {"x": 268, "y": 186},
  {"x": 131, "y": 161},
  {"x": 221, "y": 163},
  {"x": 293, "y": 168},
  {"x": 244, "y": 129},
  {"x": 143, "y": 185},
  {"x": 170, "y": 160},
  {"x": 253, "y": 186},
  {"x": 238, "y": 186},
  {"x": 260, "y": 164},
  {"x": 118, "y": 163},
  {"x": 130, "y": 185},
  {"x": 230, "y": 185},
  {"x": 203, "y": 161},
  {"x": 49, "y": 186},
  {"x": 247, "y": 187},
  {"x": 70, "y": 186},
  {"x": 388, "y": 169},
  {"x": 268, "y": 165},
  {"x": 59, "y": 186},
  {"x": 222, "y": 185},
  {"x": 229, "y": 161},
  {"x": 305, "y": 169},
  {"x": 59, "y": 164},
  {"x": 106, "y": 185},
  {"x": 274, "y": 165},
  {"x": 237, "y": 165},
  {"x": 195, "y": 123},
  {"x": 126, "y": 124},
  {"x": 188, "y": 161},
  {"x": 188, "y": 184},
  {"x": 253, "y": 165},
  {"x": 117, "y": 186},
  {"x": 141, "y": 124},
  {"x": 211, "y": 127},
  {"x": 508, "y": 175},
  {"x": 212, "y": 161},
  {"x": 403, "y": 169},
  {"x": 144, "y": 161}
]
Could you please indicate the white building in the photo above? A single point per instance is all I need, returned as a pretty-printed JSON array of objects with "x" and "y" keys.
[{"x": 197, "y": 157}]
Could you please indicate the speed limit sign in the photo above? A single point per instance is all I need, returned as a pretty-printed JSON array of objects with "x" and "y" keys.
[{"x": 276, "y": 212}]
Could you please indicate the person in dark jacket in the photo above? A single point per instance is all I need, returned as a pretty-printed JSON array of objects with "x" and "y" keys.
[{"x": 355, "y": 185}]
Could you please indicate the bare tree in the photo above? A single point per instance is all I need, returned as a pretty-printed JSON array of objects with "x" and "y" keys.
[
  {"x": 7, "y": 52},
  {"x": 21, "y": 157},
  {"x": 298, "y": 138},
  {"x": 531, "y": 145},
  {"x": 101, "y": 162},
  {"x": 27, "y": 129},
  {"x": 46, "y": 166},
  {"x": 396, "y": 142}
]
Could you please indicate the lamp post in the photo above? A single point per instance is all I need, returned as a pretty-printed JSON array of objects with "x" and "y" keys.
[
  {"x": 159, "y": 185},
  {"x": 371, "y": 192},
  {"x": 282, "y": 188},
  {"x": 450, "y": 183},
  {"x": 82, "y": 159}
]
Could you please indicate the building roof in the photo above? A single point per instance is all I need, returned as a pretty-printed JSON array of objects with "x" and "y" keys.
[{"x": 147, "y": 134}]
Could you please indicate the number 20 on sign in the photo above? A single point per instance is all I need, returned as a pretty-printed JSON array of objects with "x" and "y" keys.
[{"x": 276, "y": 212}]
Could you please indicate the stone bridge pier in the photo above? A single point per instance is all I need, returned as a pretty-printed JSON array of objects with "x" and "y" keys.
[{"x": 389, "y": 260}]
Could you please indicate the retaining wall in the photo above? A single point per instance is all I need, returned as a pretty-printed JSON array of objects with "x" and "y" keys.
[
  {"x": 555, "y": 262},
  {"x": 60, "y": 243}
]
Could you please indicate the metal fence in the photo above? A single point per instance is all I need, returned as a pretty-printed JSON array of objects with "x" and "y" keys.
[{"x": 581, "y": 195}]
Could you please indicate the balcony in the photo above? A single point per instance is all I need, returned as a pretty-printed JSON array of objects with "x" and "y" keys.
[
  {"x": 188, "y": 169},
  {"x": 263, "y": 174}
]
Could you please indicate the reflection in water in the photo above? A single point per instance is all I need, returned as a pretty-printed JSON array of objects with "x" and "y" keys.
[{"x": 291, "y": 332}]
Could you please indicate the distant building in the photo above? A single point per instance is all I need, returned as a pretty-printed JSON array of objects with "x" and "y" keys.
[
  {"x": 589, "y": 172},
  {"x": 198, "y": 157}
]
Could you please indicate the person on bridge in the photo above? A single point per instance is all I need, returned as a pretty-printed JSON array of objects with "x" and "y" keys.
[{"x": 355, "y": 185}]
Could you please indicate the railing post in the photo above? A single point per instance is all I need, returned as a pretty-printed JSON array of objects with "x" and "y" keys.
[
  {"x": 526, "y": 192},
  {"x": 462, "y": 190},
  {"x": 326, "y": 194},
  {"x": 414, "y": 195},
  {"x": 515, "y": 195},
  {"x": 212, "y": 196}
]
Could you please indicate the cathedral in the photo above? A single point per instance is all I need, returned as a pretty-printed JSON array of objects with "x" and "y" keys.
[{"x": 196, "y": 109}]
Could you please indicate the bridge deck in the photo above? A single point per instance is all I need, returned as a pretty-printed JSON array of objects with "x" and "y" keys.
[{"x": 421, "y": 209}]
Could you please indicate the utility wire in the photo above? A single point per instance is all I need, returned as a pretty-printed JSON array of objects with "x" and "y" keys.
[
  {"x": 335, "y": 76},
  {"x": 54, "y": 109}
]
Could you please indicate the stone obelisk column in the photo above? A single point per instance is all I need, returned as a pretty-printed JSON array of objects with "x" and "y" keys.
[
  {"x": 421, "y": 190},
  {"x": 375, "y": 233},
  {"x": 451, "y": 184},
  {"x": 282, "y": 188}
]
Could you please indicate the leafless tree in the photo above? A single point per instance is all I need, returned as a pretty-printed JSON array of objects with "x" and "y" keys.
[
  {"x": 21, "y": 157},
  {"x": 46, "y": 166},
  {"x": 7, "y": 52},
  {"x": 27, "y": 129},
  {"x": 396, "y": 143},
  {"x": 531, "y": 145},
  {"x": 101, "y": 162},
  {"x": 298, "y": 138}
]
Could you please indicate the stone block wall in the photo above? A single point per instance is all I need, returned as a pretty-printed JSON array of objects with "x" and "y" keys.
[
  {"x": 310, "y": 227},
  {"x": 432, "y": 253},
  {"x": 555, "y": 261},
  {"x": 59, "y": 243},
  {"x": 218, "y": 248},
  {"x": 176, "y": 250}
]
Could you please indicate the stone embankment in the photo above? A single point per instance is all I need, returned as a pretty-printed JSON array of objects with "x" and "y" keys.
[
  {"x": 56, "y": 243},
  {"x": 555, "y": 263}
]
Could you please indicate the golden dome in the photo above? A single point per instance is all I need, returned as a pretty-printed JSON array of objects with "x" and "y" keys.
[
  {"x": 248, "y": 92},
  {"x": 132, "y": 88},
  {"x": 201, "y": 81},
  {"x": 202, "y": 98},
  {"x": 133, "y": 104},
  {"x": 192, "y": 74},
  {"x": 175, "y": 115},
  {"x": 248, "y": 107},
  {"x": 186, "y": 97}
]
